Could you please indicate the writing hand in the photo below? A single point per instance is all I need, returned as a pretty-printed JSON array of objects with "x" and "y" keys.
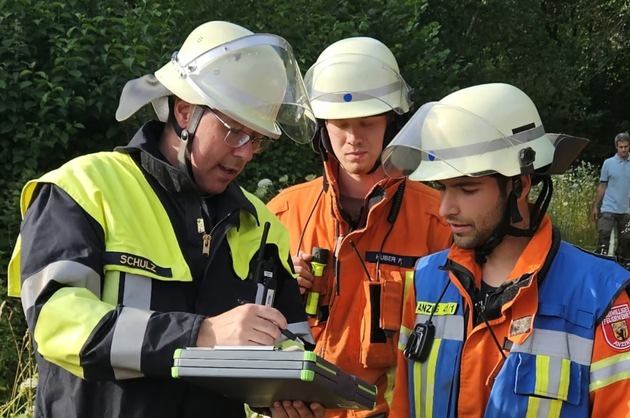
[{"x": 248, "y": 324}]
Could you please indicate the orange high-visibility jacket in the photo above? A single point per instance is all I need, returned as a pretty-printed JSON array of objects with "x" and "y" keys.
[
  {"x": 481, "y": 361},
  {"x": 359, "y": 316}
]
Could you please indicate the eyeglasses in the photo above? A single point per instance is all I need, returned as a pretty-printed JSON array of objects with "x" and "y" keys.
[{"x": 237, "y": 138}]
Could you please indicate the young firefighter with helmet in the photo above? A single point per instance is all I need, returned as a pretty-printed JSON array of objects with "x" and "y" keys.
[
  {"x": 126, "y": 256},
  {"x": 373, "y": 228},
  {"x": 511, "y": 321}
]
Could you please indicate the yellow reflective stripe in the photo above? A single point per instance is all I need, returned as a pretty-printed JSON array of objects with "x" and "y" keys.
[
  {"x": 417, "y": 385},
  {"x": 389, "y": 389},
  {"x": 65, "y": 323},
  {"x": 424, "y": 380},
  {"x": 552, "y": 379},
  {"x": 408, "y": 283},
  {"x": 565, "y": 373},
  {"x": 111, "y": 287},
  {"x": 430, "y": 377},
  {"x": 542, "y": 373},
  {"x": 610, "y": 370},
  {"x": 532, "y": 407},
  {"x": 555, "y": 407},
  {"x": 543, "y": 407},
  {"x": 403, "y": 337}
]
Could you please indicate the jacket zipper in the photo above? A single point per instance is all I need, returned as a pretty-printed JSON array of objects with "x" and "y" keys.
[{"x": 207, "y": 236}]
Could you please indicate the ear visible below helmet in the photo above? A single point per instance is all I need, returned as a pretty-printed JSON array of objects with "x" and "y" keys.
[{"x": 354, "y": 78}]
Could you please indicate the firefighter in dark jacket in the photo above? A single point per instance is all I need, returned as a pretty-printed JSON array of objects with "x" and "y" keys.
[{"x": 125, "y": 256}]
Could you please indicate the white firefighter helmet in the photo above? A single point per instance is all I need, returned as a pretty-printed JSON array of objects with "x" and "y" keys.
[
  {"x": 356, "y": 77},
  {"x": 477, "y": 131},
  {"x": 253, "y": 78}
]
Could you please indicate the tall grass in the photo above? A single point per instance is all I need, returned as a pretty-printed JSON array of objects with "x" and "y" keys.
[
  {"x": 569, "y": 210},
  {"x": 21, "y": 403}
]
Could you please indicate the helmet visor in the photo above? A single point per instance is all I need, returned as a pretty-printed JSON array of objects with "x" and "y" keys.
[
  {"x": 356, "y": 80},
  {"x": 256, "y": 81},
  {"x": 442, "y": 141}
]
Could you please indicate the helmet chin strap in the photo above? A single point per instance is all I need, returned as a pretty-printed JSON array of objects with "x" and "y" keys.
[
  {"x": 186, "y": 136},
  {"x": 511, "y": 216}
]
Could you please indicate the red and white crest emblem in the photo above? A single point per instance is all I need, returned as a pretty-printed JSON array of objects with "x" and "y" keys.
[{"x": 616, "y": 327}]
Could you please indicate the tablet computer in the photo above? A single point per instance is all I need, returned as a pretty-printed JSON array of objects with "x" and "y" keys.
[{"x": 260, "y": 376}]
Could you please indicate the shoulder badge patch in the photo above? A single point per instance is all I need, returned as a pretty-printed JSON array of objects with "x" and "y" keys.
[{"x": 616, "y": 328}]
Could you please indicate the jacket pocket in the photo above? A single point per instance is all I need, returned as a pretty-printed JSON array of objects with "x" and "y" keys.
[
  {"x": 549, "y": 377},
  {"x": 381, "y": 320}
]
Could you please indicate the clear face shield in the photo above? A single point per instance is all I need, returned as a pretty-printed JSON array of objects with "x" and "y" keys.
[
  {"x": 256, "y": 81},
  {"x": 355, "y": 85},
  {"x": 442, "y": 141}
]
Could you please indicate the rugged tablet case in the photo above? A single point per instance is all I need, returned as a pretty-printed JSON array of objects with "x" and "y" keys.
[{"x": 259, "y": 376}]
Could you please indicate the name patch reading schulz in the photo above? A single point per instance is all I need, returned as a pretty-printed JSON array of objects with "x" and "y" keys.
[
  {"x": 130, "y": 260},
  {"x": 615, "y": 327},
  {"x": 426, "y": 308}
]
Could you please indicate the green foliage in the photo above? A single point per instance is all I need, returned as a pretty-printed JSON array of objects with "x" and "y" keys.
[
  {"x": 570, "y": 207},
  {"x": 570, "y": 57},
  {"x": 62, "y": 66}
]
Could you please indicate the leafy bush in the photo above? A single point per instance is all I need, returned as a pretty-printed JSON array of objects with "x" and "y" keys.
[{"x": 62, "y": 66}]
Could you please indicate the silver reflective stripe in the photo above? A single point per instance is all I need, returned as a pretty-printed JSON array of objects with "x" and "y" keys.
[
  {"x": 448, "y": 327},
  {"x": 479, "y": 148},
  {"x": 554, "y": 377},
  {"x": 302, "y": 330},
  {"x": 69, "y": 273},
  {"x": 137, "y": 293},
  {"x": 543, "y": 407},
  {"x": 126, "y": 350},
  {"x": 557, "y": 343},
  {"x": 610, "y": 370}
]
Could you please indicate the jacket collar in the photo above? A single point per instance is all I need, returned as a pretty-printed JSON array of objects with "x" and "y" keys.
[
  {"x": 380, "y": 191},
  {"x": 144, "y": 148}
]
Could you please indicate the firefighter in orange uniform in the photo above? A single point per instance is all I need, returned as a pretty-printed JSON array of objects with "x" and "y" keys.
[
  {"x": 373, "y": 228},
  {"x": 511, "y": 321}
]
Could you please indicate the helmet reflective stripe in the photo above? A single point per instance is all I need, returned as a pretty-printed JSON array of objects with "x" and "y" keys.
[
  {"x": 356, "y": 77},
  {"x": 498, "y": 144},
  {"x": 491, "y": 128},
  {"x": 355, "y": 96},
  {"x": 219, "y": 77}
]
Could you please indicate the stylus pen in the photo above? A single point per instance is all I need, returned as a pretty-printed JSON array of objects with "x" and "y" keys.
[
  {"x": 307, "y": 346},
  {"x": 284, "y": 331}
]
